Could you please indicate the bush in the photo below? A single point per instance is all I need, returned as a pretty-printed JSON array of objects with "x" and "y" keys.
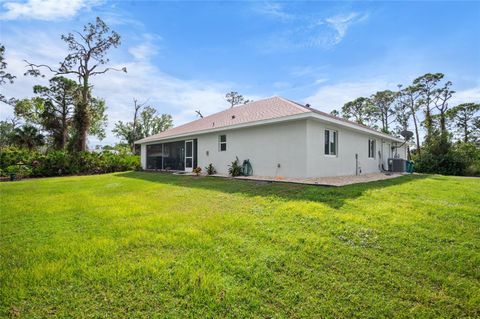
[
  {"x": 210, "y": 169},
  {"x": 470, "y": 154},
  {"x": 441, "y": 157},
  {"x": 18, "y": 171},
  {"x": 59, "y": 163},
  {"x": 197, "y": 170},
  {"x": 235, "y": 169}
]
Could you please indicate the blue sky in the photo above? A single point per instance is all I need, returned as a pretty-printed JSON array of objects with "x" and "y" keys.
[{"x": 184, "y": 56}]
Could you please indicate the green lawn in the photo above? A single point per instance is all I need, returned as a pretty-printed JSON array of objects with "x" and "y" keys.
[{"x": 143, "y": 245}]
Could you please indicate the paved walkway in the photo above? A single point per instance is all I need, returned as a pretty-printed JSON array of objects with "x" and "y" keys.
[{"x": 327, "y": 181}]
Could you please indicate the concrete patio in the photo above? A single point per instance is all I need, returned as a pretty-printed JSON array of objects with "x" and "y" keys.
[
  {"x": 327, "y": 181},
  {"x": 320, "y": 181}
]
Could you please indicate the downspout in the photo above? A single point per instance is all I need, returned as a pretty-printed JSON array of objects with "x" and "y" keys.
[
  {"x": 356, "y": 164},
  {"x": 381, "y": 156}
]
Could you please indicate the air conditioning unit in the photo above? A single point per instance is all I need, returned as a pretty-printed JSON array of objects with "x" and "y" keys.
[{"x": 397, "y": 165}]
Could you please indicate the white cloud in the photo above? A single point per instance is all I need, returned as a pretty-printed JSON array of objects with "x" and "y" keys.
[
  {"x": 466, "y": 96},
  {"x": 273, "y": 10},
  {"x": 341, "y": 23},
  {"x": 334, "y": 96},
  {"x": 45, "y": 9},
  {"x": 146, "y": 49},
  {"x": 309, "y": 31}
]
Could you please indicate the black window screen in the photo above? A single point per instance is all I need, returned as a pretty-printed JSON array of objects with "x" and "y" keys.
[
  {"x": 154, "y": 156},
  {"x": 327, "y": 142},
  {"x": 174, "y": 156}
]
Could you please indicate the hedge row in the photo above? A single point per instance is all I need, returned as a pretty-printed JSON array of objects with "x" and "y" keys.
[{"x": 57, "y": 163}]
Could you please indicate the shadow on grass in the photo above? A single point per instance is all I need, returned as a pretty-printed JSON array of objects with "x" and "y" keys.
[{"x": 334, "y": 197}]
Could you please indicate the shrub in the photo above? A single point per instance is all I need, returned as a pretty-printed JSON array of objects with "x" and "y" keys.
[
  {"x": 441, "y": 157},
  {"x": 210, "y": 169},
  {"x": 197, "y": 170},
  {"x": 18, "y": 171},
  {"x": 469, "y": 153},
  {"x": 58, "y": 163},
  {"x": 235, "y": 169}
]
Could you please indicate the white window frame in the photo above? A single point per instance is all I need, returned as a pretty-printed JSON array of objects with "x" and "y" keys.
[
  {"x": 330, "y": 135},
  {"x": 372, "y": 142},
  {"x": 220, "y": 143}
]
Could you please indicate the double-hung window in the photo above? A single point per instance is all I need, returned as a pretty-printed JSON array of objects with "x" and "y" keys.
[
  {"x": 331, "y": 138},
  {"x": 222, "y": 143},
  {"x": 371, "y": 148}
]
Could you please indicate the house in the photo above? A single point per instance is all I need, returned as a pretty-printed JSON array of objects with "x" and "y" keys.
[{"x": 279, "y": 137}]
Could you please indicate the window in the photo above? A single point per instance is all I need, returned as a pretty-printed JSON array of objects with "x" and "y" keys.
[
  {"x": 330, "y": 142},
  {"x": 222, "y": 143},
  {"x": 371, "y": 148}
]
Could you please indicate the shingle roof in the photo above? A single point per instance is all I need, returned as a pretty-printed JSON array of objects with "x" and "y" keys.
[{"x": 266, "y": 109}]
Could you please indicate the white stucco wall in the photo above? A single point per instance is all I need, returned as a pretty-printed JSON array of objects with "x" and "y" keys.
[
  {"x": 143, "y": 155},
  {"x": 265, "y": 146},
  {"x": 350, "y": 142},
  {"x": 296, "y": 146}
]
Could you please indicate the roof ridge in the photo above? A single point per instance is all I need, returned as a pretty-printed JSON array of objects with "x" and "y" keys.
[{"x": 296, "y": 104}]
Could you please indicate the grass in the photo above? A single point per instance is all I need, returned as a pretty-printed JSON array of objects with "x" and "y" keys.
[{"x": 145, "y": 245}]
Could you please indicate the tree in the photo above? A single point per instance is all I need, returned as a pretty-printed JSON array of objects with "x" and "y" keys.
[
  {"x": 87, "y": 54},
  {"x": 6, "y": 133},
  {"x": 464, "y": 117},
  {"x": 234, "y": 98},
  {"x": 384, "y": 102},
  {"x": 137, "y": 107},
  {"x": 30, "y": 110},
  {"x": 149, "y": 122},
  {"x": 5, "y": 77},
  {"x": 28, "y": 136},
  {"x": 99, "y": 120},
  {"x": 426, "y": 85},
  {"x": 335, "y": 113},
  {"x": 408, "y": 102},
  {"x": 442, "y": 95},
  {"x": 360, "y": 110},
  {"x": 130, "y": 131},
  {"x": 59, "y": 103},
  {"x": 53, "y": 110}
]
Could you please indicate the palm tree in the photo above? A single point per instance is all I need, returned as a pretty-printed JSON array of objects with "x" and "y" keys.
[{"x": 28, "y": 136}]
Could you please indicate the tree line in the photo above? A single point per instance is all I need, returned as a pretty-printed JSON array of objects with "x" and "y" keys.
[
  {"x": 422, "y": 105},
  {"x": 63, "y": 114},
  {"x": 451, "y": 135}
]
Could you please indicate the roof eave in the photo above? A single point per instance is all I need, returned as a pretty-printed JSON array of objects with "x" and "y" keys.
[{"x": 276, "y": 120}]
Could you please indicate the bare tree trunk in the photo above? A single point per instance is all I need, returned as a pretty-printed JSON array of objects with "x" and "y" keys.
[
  {"x": 417, "y": 136},
  {"x": 64, "y": 123},
  {"x": 465, "y": 130},
  {"x": 135, "y": 115},
  {"x": 82, "y": 117},
  {"x": 64, "y": 131},
  {"x": 443, "y": 127}
]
